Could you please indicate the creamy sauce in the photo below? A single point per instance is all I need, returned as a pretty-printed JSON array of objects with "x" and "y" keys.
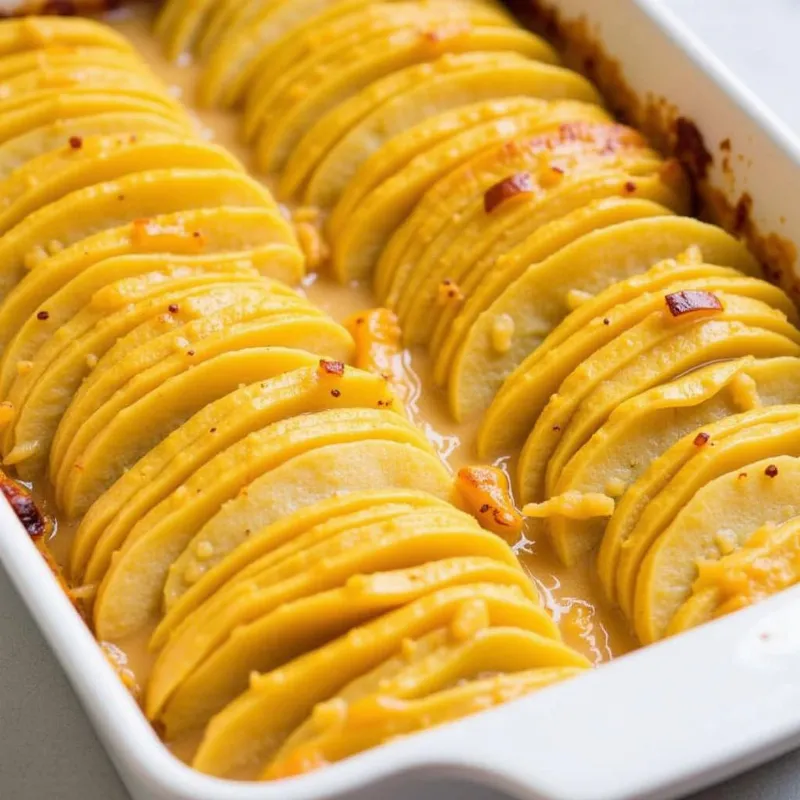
[{"x": 571, "y": 594}]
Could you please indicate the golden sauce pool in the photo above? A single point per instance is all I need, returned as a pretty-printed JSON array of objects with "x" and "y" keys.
[{"x": 570, "y": 594}]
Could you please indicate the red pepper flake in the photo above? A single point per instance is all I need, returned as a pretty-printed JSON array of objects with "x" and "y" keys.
[
  {"x": 556, "y": 427},
  {"x": 771, "y": 471},
  {"x": 75, "y": 142},
  {"x": 606, "y": 321},
  {"x": 190, "y": 352},
  {"x": 173, "y": 308},
  {"x": 335, "y": 393},
  {"x": 680, "y": 303},
  {"x": 701, "y": 439},
  {"x": 630, "y": 187},
  {"x": 331, "y": 367},
  {"x": 43, "y": 315},
  {"x": 484, "y": 508},
  {"x": 519, "y": 184},
  {"x": 213, "y": 430}
]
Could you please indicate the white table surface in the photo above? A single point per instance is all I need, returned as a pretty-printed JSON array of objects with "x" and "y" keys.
[{"x": 47, "y": 748}]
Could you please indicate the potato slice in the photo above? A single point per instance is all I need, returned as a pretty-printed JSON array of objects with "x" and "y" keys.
[
  {"x": 652, "y": 351},
  {"x": 239, "y": 312},
  {"x": 454, "y": 127},
  {"x": 107, "y": 205},
  {"x": 432, "y": 663},
  {"x": 471, "y": 266},
  {"x": 413, "y": 538},
  {"x": 461, "y": 193},
  {"x": 70, "y": 356},
  {"x": 98, "y": 159},
  {"x": 269, "y": 323},
  {"x": 37, "y": 33},
  {"x": 506, "y": 423},
  {"x": 253, "y": 726},
  {"x": 192, "y": 580},
  {"x": 765, "y": 564},
  {"x": 16, "y": 108},
  {"x": 204, "y": 231},
  {"x": 107, "y": 285},
  {"x": 656, "y": 476},
  {"x": 378, "y": 719},
  {"x": 448, "y": 256},
  {"x": 248, "y": 49},
  {"x": 722, "y": 514},
  {"x": 641, "y": 429},
  {"x": 363, "y": 222},
  {"x": 116, "y": 448},
  {"x": 18, "y": 90},
  {"x": 330, "y": 154},
  {"x": 452, "y": 344},
  {"x": 227, "y": 530},
  {"x": 322, "y": 617},
  {"x": 328, "y": 43},
  {"x": 31, "y": 131},
  {"x": 734, "y": 451},
  {"x": 59, "y": 57},
  {"x": 533, "y": 385},
  {"x": 180, "y": 24},
  {"x": 130, "y": 593},
  {"x": 41, "y": 141},
  {"x": 188, "y": 448},
  {"x": 379, "y": 57},
  {"x": 588, "y": 417}
]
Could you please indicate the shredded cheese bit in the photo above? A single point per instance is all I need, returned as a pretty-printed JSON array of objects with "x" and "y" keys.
[
  {"x": 572, "y": 505},
  {"x": 119, "y": 661},
  {"x": 472, "y": 616},
  {"x": 576, "y": 298},
  {"x": 204, "y": 550},
  {"x": 691, "y": 255},
  {"x": 726, "y": 540},
  {"x": 615, "y": 487},
  {"x": 502, "y": 333},
  {"x": 485, "y": 493},
  {"x": 35, "y": 257},
  {"x": 326, "y": 715},
  {"x": 744, "y": 391},
  {"x": 312, "y": 244}
]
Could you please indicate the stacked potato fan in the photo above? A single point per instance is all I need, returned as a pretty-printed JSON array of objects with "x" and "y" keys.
[
  {"x": 542, "y": 254},
  {"x": 239, "y": 489}
]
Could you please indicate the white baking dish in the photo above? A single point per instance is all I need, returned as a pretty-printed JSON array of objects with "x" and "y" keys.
[{"x": 655, "y": 724}]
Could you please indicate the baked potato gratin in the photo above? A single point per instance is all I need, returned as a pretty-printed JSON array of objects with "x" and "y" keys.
[{"x": 259, "y": 525}]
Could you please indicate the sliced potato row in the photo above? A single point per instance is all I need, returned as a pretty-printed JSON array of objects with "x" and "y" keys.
[
  {"x": 542, "y": 254},
  {"x": 240, "y": 491}
]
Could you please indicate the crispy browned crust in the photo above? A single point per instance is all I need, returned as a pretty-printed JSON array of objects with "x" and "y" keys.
[{"x": 671, "y": 132}]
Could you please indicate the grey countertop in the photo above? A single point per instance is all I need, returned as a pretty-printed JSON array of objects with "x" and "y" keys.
[{"x": 47, "y": 748}]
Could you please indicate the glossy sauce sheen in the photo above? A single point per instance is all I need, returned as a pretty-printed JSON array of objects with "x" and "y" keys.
[{"x": 570, "y": 594}]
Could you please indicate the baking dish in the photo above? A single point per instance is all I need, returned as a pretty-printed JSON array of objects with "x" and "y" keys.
[{"x": 508, "y": 762}]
